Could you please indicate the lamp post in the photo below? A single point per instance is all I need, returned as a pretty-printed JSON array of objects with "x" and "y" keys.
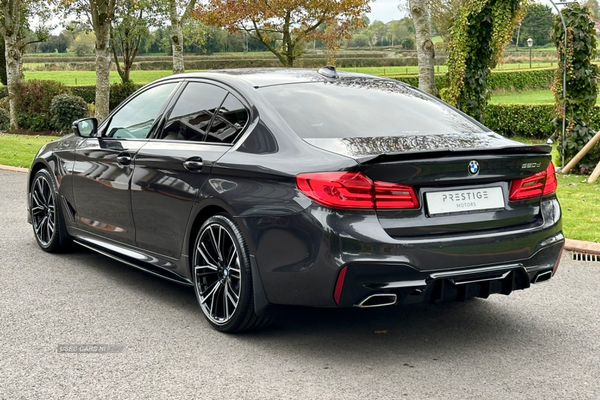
[
  {"x": 564, "y": 120},
  {"x": 530, "y": 44}
]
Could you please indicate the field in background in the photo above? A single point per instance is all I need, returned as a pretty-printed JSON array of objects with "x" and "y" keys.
[{"x": 87, "y": 78}]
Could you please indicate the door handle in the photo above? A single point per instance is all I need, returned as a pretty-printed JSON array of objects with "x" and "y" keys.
[
  {"x": 194, "y": 165},
  {"x": 124, "y": 158}
]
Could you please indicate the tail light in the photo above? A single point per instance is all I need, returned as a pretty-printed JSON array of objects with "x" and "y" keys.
[
  {"x": 537, "y": 185},
  {"x": 354, "y": 190}
]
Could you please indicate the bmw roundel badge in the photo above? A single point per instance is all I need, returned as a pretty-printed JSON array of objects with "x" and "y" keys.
[{"x": 473, "y": 167}]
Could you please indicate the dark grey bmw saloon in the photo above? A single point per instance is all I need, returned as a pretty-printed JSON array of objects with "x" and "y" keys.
[{"x": 274, "y": 187}]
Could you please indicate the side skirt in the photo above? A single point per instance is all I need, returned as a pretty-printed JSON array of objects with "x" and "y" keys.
[{"x": 157, "y": 271}]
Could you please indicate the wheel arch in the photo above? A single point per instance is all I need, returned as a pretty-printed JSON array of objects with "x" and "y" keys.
[
  {"x": 35, "y": 168},
  {"x": 212, "y": 207}
]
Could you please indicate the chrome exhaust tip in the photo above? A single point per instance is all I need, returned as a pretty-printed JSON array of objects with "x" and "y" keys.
[
  {"x": 544, "y": 276},
  {"x": 378, "y": 300}
]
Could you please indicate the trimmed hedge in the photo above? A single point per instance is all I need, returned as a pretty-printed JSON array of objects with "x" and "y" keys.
[
  {"x": 528, "y": 120},
  {"x": 537, "y": 79}
]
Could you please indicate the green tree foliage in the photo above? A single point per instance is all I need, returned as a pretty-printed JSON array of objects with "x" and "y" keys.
[
  {"x": 395, "y": 33},
  {"x": 443, "y": 13},
  {"x": 593, "y": 6},
  {"x": 290, "y": 23},
  {"x": 582, "y": 81},
  {"x": 537, "y": 24},
  {"x": 480, "y": 31},
  {"x": 55, "y": 44},
  {"x": 83, "y": 44},
  {"x": 130, "y": 26}
]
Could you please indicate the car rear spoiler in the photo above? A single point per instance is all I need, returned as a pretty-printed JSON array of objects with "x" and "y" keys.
[{"x": 412, "y": 155}]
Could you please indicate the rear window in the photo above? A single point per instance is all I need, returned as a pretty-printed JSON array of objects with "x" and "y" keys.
[{"x": 363, "y": 108}]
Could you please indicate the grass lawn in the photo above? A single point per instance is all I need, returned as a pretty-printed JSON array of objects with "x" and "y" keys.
[
  {"x": 580, "y": 203},
  {"x": 414, "y": 70},
  {"x": 19, "y": 150},
  {"x": 580, "y": 200},
  {"x": 524, "y": 97}
]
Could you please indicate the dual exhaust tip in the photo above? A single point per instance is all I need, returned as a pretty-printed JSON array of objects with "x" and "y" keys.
[
  {"x": 389, "y": 299},
  {"x": 378, "y": 300}
]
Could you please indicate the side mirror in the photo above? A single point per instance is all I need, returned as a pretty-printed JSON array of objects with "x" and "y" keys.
[{"x": 85, "y": 127}]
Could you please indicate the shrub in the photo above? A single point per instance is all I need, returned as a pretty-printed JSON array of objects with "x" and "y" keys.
[
  {"x": 34, "y": 99},
  {"x": 36, "y": 96},
  {"x": 527, "y": 120},
  {"x": 65, "y": 109},
  {"x": 88, "y": 93},
  {"x": 4, "y": 120},
  {"x": 34, "y": 121}
]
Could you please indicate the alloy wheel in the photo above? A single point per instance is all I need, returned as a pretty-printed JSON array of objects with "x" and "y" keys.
[
  {"x": 43, "y": 210},
  {"x": 217, "y": 273}
]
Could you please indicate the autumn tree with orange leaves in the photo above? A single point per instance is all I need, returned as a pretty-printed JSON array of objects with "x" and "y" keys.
[{"x": 284, "y": 26}]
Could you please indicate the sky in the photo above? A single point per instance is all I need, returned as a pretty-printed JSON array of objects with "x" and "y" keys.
[{"x": 387, "y": 10}]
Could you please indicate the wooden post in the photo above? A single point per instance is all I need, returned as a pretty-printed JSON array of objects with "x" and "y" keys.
[
  {"x": 594, "y": 176},
  {"x": 581, "y": 153}
]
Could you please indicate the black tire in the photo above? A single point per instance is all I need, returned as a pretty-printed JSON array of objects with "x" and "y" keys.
[
  {"x": 222, "y": 274},
  {"x": 46, "y": 216}
]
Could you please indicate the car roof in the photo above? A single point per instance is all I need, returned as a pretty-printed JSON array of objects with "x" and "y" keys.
[{"x": 260, "y": 77}]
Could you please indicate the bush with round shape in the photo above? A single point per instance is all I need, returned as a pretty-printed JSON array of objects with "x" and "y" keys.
[{"x": 65, "y": 109}]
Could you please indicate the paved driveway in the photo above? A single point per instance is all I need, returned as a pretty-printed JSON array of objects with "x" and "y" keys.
[{"x": 542, "y": 343}]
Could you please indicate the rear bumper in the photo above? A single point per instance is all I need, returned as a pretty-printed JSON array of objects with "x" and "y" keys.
[
  {"x": 300, "y": 258},
  {"x": 364, "y": 282}
]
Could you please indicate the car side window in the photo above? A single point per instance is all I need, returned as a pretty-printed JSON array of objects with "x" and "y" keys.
[
  {"x": 135, "y": 119},
  {"x": 205, "y": 112}
]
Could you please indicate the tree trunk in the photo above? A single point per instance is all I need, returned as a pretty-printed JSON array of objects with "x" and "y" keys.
[
  {"x": 11, "y": 28},
  {"x": 13, "y": 74},
  {"x": 177, "y": 44},
  {"x": 419, "y": 10},
  {"x": 103, "y": 61},
  {"x": 177, "y": 33}
]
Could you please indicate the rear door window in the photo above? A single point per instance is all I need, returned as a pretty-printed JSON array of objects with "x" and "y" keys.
[{"x": 205, "y": 112}]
